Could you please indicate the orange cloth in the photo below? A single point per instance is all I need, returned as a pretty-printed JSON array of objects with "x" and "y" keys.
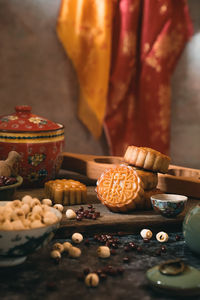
[{"x": 84, "y": 28}]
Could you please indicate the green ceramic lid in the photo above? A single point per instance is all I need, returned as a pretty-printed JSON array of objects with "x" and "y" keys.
[{"x": 186, "y": 283}]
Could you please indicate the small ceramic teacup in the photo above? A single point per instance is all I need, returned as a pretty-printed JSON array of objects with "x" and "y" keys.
[{"x": 168, "y": 205}]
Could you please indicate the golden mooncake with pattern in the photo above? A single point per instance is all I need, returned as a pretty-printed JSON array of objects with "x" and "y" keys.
[
  {"x": 66, "y": 191},
  {"x": 147, "y": 158},
  {"x": 120, "y": 189}
]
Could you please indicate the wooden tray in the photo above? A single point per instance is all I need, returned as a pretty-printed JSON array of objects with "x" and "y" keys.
[
  {"x": 132, "y": 222},
  {"x": 112, "y": 222},
  {"x": 178, "y": 180}
]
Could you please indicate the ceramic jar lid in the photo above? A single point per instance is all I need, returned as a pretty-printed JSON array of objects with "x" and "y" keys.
[
  {"x": 23, "y": 120},
  {"x": 183, "y": 284}
]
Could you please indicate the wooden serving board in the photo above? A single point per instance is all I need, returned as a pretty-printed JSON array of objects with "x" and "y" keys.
[
  {"x": 126, "y": 223},
  {"x": 178, "y": 180},
  {"x": 112, "y": 222}
]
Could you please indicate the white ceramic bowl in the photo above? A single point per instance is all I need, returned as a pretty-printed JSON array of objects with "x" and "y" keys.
[{"x": 16, "y": 245}]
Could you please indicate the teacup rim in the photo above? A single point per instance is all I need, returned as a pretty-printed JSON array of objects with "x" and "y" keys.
[{"x": 161, "y": 198}]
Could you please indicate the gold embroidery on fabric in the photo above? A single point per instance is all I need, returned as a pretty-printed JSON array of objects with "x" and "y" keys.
[
  {"x": 164, "y": 94},
  {"x": 132, "y": 7},
  {"x": 146, "y": 47},
  {"x": 120, "y": 90},
  {"x": 89, "y": 34},
  {"x": 163, "y": 9},
  {"x": 159, "y": 126},
  {"x": 152, "y": 61},
  {"x": 129, "y": 44},
  {"x": 168, "y": 44},
  {"x": 118, "y": 94}
]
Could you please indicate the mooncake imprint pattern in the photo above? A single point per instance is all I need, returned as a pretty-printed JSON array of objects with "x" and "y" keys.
[{"x": 120, "y": 189}]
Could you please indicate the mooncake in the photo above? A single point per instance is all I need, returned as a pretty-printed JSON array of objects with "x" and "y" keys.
[
  {"x": 147, "y": 158},
  {"x": 149, "y": 179},
  {"x": 120, "y": 189},
  {"x": 66, "y": 191}
]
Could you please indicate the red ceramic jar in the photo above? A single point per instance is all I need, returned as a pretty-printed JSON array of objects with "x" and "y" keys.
[{"x": 38, "y": 140}]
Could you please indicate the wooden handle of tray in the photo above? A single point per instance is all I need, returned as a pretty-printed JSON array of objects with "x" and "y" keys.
[
  {"x": 90, "y": 165},
  {"x": 180, "y": 180}
]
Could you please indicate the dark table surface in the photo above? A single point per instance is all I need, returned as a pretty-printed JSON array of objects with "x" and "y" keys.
[{"x": 41, "y": 278}]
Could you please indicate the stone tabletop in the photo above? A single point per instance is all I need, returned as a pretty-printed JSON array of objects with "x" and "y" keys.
[{"x": 40, "y": 278}]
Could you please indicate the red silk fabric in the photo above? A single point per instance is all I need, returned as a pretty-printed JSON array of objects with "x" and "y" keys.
[{"x": 148, "y": 38}]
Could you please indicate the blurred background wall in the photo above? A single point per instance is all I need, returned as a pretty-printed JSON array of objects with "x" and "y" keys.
[{"x": 36, "y": 71}]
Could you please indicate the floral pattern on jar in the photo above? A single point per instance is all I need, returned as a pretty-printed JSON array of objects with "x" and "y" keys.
[
  {"x": 36, "y": 159},
  {"x": 42, "y": 174},
  {"x": 33, "y": 176},
  {"x": 9, "y": 118},
  {"x": 38, "y": 140},
  {"x": 37, "y": 176},
  {"x": 37, "y": 120}
]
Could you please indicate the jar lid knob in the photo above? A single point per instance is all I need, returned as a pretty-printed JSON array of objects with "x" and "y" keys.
[{"x": 23, "y": 108}]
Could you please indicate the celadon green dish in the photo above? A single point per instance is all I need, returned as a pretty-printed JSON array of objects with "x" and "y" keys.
[
  {"x": 185, "y": 284},
  {"x": 191, "y": 229}
]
